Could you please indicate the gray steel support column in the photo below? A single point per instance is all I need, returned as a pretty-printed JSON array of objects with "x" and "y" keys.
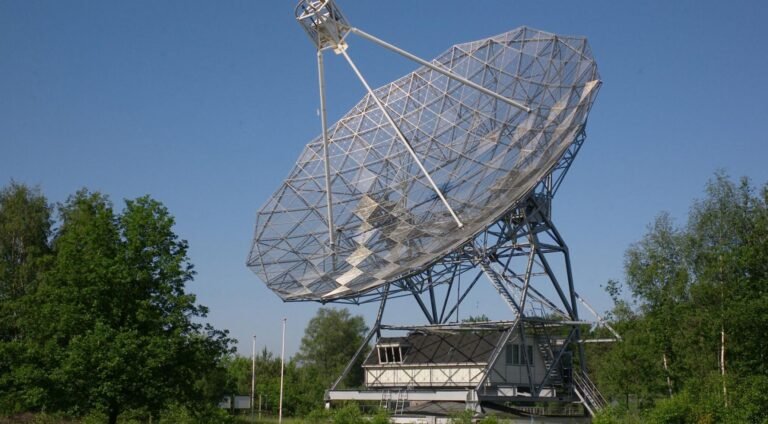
[
  {"x": 466, "y": 292},
  {"x": 524, "y": 354},
  {"x": 432, "y": 299},
  {"x": 380, "y": 314},
  {"x": 555, "y": 283},
  {"x": 569, "y": 275},
  {"x": 447, "y": 295},
  {"x": 375, "y": 330},
  {"x": 416, "y": 295},
  {"x": 495, "y": 354},
  {"x": 527, "y": 277}
]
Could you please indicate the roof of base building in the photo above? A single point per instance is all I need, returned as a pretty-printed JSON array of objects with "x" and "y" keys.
[{"x": 441, "y": 348}]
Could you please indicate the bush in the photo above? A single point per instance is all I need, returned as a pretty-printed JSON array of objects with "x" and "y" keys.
[
  {"x": 674, "y": 410},
  {"x": 607, "y": 416},
  {"x": 490, "y": 419},
  {"x": 178, "y": 414},
  {"x": 318, "y": 416},
  {"x": 750, "y": 400},
  {"x": 381, "y": 417},
  {"x": 347, "y": 414},
  {"x": 463, "y": 417}
]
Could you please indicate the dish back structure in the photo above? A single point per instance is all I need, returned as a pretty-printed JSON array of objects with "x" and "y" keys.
[{"x": 483, "y": 154}]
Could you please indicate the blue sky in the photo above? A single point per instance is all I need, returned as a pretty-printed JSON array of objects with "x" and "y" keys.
[{"x": 206, "y": 105}]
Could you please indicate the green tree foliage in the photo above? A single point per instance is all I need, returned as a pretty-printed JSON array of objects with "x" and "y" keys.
[
  {"x": 476, "y": 318},
  {"x": 348, "y": 414},
  {"x": 301, "y": 390},
  {"x": 701, "y": 306},
  {"x": 465, "y": 416},
  {"x": 25, "y": 226},
  {"x": 109, "y": 326},
  {"x": 330, "y": 340}
]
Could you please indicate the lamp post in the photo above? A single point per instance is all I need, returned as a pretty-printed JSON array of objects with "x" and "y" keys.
[
  {"x": 253, "y": 375},
  {"x": 282, "y": 369}
]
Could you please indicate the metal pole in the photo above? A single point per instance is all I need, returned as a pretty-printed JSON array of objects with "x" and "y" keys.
[
  {"x": 438, "y": 69},
  {"x": 324, "y": 125},
  {"x": 253, "y": 375},
  {"x": 402, "y": 138},
  {"x": 282, "y": 372}
]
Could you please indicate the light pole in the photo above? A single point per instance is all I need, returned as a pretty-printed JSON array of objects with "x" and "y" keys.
[
  {"x": 253, "y": 375},
  {"x": 282, "y": 368}
]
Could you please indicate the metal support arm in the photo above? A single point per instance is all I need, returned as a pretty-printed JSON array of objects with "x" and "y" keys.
[
  {"x": 324, "y": 124},
  {"x": 402, "y": 138},
  {"x": 438, "y": 69}
]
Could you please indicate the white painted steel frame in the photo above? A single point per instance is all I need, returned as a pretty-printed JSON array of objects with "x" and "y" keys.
[
  {"x": 492, "y": 127},
  {"x": 422, "y": 140}
]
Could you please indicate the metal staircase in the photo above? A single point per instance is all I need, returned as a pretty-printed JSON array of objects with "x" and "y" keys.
[
  {"x": 545, "y": 348},
  {"x": 588, "y": 393},
  {"x": 498, "y": 285},
  {"x": 548, "y": 352}
]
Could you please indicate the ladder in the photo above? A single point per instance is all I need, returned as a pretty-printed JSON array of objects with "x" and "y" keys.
[
  {"x": 385, "y": 398},
  {"x": 402, "y": 398}
]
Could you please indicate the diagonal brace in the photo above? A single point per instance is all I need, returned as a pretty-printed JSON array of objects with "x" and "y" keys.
[
  {"x": 438, "y": 69},
  {"x": 402, "y": 138}
]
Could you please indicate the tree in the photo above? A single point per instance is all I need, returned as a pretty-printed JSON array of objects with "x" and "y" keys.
[
  {"x": 728, "y": 232},
  {"x": 702, "y": 303},
  {"x": 476, "y": 318},
  {"x": 616, "y": 365},
  {"x": 111, "y": 322},
  {"x": 25, "y": 226},
  {"x": 330, "y": 341},
  {"x": 658, "y": 277}
]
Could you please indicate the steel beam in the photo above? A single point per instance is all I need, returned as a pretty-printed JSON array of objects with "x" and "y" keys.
[
  {"x": 438, "y": 69},
  {"x": 326, "y": 164}
]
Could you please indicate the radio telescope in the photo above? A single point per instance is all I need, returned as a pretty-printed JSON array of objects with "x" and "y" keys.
[{"x": 444, "y": 173}]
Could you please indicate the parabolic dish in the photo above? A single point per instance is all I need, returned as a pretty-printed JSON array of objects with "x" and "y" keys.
[{"x": 483, "y": 153}]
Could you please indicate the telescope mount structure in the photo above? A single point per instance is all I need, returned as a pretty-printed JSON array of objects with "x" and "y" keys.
[{"x": 432, "y": 185}]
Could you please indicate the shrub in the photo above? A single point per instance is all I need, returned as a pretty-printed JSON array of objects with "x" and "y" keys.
[
  {"x": 381, "y": 417},
  {"x": 348, "y": 414},
  {"x": 463, "y": 417}
]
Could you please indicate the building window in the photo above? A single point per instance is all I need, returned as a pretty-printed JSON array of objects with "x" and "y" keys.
[
  {"x": 390, "y": 354},
  {"x": 515, "y": 354}
]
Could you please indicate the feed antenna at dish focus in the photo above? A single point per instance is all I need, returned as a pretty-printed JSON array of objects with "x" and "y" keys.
[{"x": 328, "y": 29}]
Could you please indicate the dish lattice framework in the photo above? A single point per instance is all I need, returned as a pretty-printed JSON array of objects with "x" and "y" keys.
[{"x": 483, "y": 153}]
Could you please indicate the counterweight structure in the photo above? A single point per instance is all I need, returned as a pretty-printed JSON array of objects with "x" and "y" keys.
[{"x": 446, "y": 173}]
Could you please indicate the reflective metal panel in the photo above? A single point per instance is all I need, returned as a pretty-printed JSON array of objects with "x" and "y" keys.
[{"x": 483, "y": 154}]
